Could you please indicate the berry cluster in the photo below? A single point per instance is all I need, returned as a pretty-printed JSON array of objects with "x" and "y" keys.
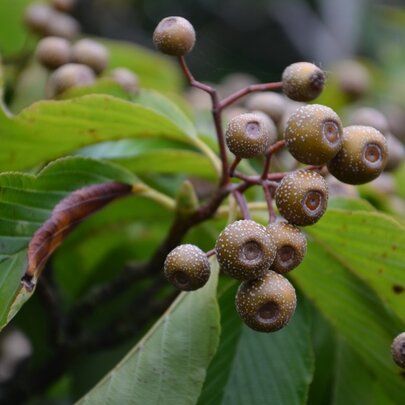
[
  {"x": 71, "y": 65},
  {"x": 256, "y": 255}
]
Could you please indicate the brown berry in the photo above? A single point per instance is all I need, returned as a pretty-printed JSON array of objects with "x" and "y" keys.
[
  {"x": 63, "y": 25},
  {"x": 187, "y": 267},
  {"x": 363, "y": 155},
  {"x": 353, "y": 79},
  {"x": 267, "y": 303},
  {"x": 174, "y": 36},
  {"x": 302, "y": 197},
  {"x": 249, "y": 135},
  {"x": 303, "y": 81},
  {"x": 369, "y": 117},
  {"x": 291, "y": 245},
  {"x": 245, "y": 250},
  {"x": 313, "y": 134},
  {"x": 273, "y": 104},
  {"x": 91, "y": 53},
  {"x": 127, "y": 79},
  {"x": 396, "y": 152},
  {"x": 70, "y": 75},
  {"x": 37, "y": 17},
  {"x": 53, "y": 52},
  {"x": 398, "y": 350}
]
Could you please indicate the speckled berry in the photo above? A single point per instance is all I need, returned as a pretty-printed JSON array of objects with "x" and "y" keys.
[
  {"x": 398, "y": 350},
  {"x": 174, "y": 36},
  {"x": 249, "y": 135},
  {"x": 127, "y": 79},
  {"x": 291, "y": 246},
  {"x": 91, "y": 53},
  {"x": 245, "y": 250},
  {"x": 63, "y": 25},
  {"x": 369, "y": 117},
  {"x": 303, "y": 81},
  {"x": 266, "y": 304},
  {"x": 273, "y": 104},
  {"x": 37, "y": 17},
  {"x": 363, "y": 155},
  {"x": 68, "y": 76},
  {"x": 302, "y": 197},
  {"x": 313, "y": 134},
  {"x": 53, "y": 52},
  {"x": 187, "y": 267}
]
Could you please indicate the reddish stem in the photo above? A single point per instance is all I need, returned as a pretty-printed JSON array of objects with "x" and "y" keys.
[
  {"x": 234, "y": 165},
  {"x": 211, "y": 253},
  {"x": 226, "y": 102},
  {"x": 269, "y": 201},
  {"x": 240, "y": 199}
]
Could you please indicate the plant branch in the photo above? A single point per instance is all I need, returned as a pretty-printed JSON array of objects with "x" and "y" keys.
[{"x": 240, "y": 199}]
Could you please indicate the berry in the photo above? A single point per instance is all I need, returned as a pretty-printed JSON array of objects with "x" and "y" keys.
[
  {"x": 313, "y": 134},
  {"x": 396, "y": 152},
  {"x": 70, "y": 75},
  {"x": 273, "y": 104},
  {"x": 363, "y": 155},
  {"x": 174, "y": 36},
  {"x": 398, "y": 350},
  {"x": 245, "y": 250},
  {"x": 126, "y": 79},
  {"x": 302, "y": 197},
  {"x": 266, "y": 304},
  {"x": 53, "y": 52},
  {"x": 65, "y": 6},
  {"x": 369, "y": 117},
  {"x": 250, "y": 134},
  {"x": 353, "y": 79},
  {"x": 36, "y": 18},
  {"x": 91, "y": 53},
  {"x": 187, "y": 267},
  {"x": 291, "y": 245},
  {"x": 303, "y": 81},
  {"x": 63, "y": 25}
]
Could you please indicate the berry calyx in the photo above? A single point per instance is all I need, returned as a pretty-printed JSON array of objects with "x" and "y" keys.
[
  {"x": 249, "y": 135},
  {"x": 68, "y": 76},
  {"x": 245, "y": 250},
  {"x": 302, "y": 197},
  {"x": 291, "y": 245},
  {"x": 187, "y": 267},
  {"x": 313, "y": 134},
  {"x": 303, "y": 81},
  {"x": 90, "y": 53},
  {"x": 363, "y": 155},
  {"x": 398, "y": 350},
  {"x": 174, "y": 36},
  {"x": 267, "y": 303},
  {"x": 53, "y": 52}
]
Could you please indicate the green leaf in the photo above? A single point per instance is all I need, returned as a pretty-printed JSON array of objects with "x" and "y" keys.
[
  {"x": 50, "y": 129},
  {"x": 169, "y": 364},
  {"x": 154, "y": 70},
  {"x": 372, "y": 246},
  {"x": 257, "y": 368},
  {"x": 26, "y": 202},
  {"x": 355, "y": 312}
]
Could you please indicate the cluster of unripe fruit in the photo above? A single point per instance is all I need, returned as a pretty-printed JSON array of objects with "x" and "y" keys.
[
  {"x": 259, "y": 256},
  {"x": 71, "y": 65}
]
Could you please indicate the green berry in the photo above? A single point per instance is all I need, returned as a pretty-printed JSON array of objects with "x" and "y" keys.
[
  {"x": 68, "y": 76},
  {"x": 267, "y": 303},
  {"x": 302, "y": 197},
  {"x": 249, "y": 135},
  {"x": 245, "y": 250},
  {"x": 363, "y": 155},
  {"x": 174, "y": 36},
  {"x": 187, "y": 267},
  {"x": 291, "y": 245},
  {"x": 303, "y": 81},
  {"x": 127, "y": 79},
  {"x": 37, "y": 17},
  {"x": 398, "y": 350},
  {"x": 272, "y": 104},
  {"x": 369, "y": 117},
  {"x": 313, "y": 134},
  {"x": 91, "y": 53},
  {"x": 63, "y": 25},
  {"x": 53, "y": 52}
]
